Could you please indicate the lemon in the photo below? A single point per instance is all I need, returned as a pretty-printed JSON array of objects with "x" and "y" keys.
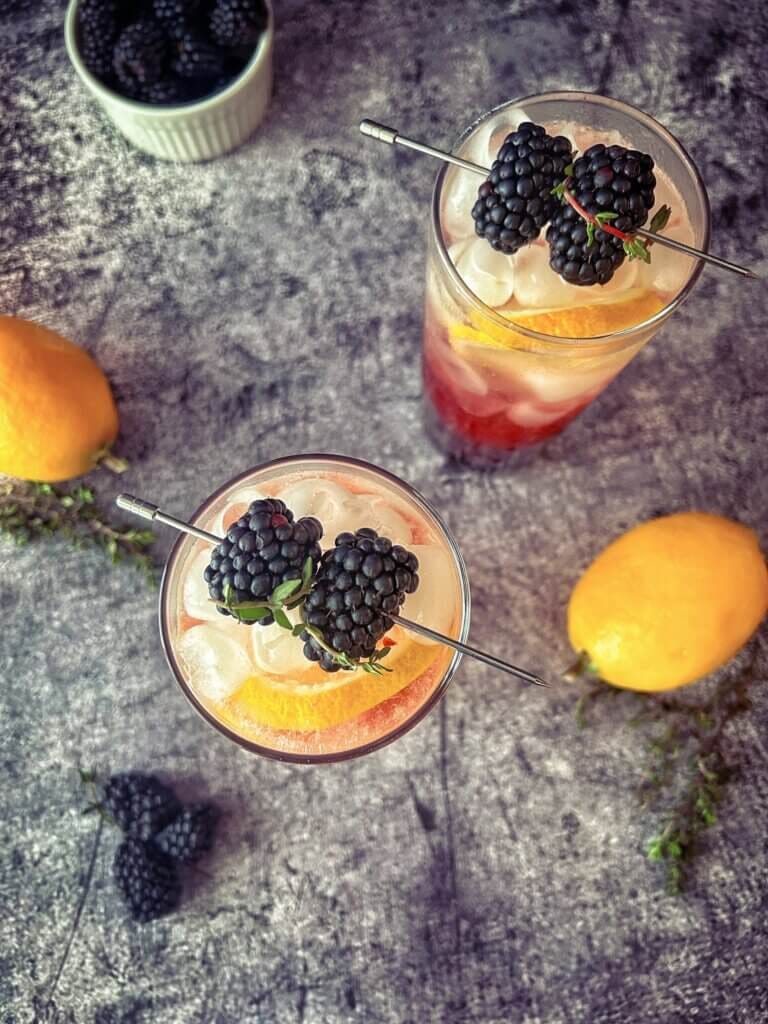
[
  {"x": 669, "y": 601},
  {"x": 57, "y": 414}
]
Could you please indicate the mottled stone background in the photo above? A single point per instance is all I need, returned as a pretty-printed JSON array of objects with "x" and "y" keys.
[{"x": 488, "y": 867}]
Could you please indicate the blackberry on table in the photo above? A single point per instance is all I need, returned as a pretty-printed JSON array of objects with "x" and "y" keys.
[
  {"x": 263, "y": 549},
  {"x": 139, "y": 57},
  {"x": 238, "y": 23},
  {"x": 189, "y": 836},
  {"x": 140, "y": 804},
  {"x": 147, "y": 878},
  {"x": 196, "y": 58},
  {"x": 361, "y": 580},
  {"x": 516, "y": 200},
  {"x": 606, "y": 179}
]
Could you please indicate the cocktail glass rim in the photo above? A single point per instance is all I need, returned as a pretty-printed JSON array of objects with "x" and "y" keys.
[
  {"x": 345, "y": 755},
  {"x": 627, "y": 333}
]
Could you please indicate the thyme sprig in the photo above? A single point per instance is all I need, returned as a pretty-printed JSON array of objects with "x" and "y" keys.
[
  {"x": 687, "y": 767},
  {"x": 285, "y": 597},
  {"x": 31, "y": 511}
]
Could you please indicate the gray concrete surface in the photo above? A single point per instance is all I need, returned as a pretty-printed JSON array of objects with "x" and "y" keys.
[{"x": 488, "y": 867}]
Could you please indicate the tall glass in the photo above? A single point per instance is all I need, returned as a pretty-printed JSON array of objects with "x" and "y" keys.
[
  {"x": 511, "y": 352},
  {"x": 253, "y": 683}
]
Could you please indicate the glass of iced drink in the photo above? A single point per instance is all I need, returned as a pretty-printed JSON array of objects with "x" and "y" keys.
[
  {"x": 513, "y": 351},
  {"x": 254, "y": 683}
]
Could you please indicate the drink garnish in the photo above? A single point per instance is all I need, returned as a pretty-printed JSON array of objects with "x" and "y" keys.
[
  {"x": 146, "y": 510},
  {"x": 608, "y": 193},
  {"x": 517, "y": 199},
  {"x": 264, "y": 563},
  {"x": 362, "y": 579},
  {"x": 391, "y": 136}
]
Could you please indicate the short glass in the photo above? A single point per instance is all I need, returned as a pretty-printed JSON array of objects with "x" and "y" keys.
[
  {"x": 495, "y": 385},
  {"x": 256, "y": 687}
]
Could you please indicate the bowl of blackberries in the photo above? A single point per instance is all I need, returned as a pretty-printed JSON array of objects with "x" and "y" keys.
[{"x": 182, "y": 79}]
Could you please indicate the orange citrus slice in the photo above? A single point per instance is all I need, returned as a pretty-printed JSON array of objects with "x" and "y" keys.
[
  {"x": 588, "y": 321},
  {"x": 300, "y": 706}
]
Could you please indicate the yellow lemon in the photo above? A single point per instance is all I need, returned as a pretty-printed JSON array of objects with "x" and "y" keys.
[
  {"x": 669, "y": 601},
  {"x": 57, "y": 414}
]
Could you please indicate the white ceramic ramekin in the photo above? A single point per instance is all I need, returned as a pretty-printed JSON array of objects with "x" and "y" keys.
[{"x": 192, "y": 131}]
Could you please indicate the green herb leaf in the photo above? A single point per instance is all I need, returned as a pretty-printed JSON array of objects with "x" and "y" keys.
[
  {"x": 282, "y": 619},
  {"x": 590, "y": 232},
  {"x": 284, "y": 590},
  {"x": 604, "y": 216},
  {"x": 559, "y": 191},
  {"x": 247, "y": 613},
  {"x": 660, "y": 219},
  {"x": 307, "y": 572},
  {"x": 636, "y": 249},
  {"x": 31, "y": 511}
]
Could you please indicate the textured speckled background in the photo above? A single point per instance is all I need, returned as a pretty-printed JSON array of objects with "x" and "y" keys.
[{"x": 488, "y": 867}]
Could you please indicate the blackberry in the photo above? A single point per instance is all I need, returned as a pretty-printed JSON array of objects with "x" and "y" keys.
[
  {"x": 516, "y": 201},
  {"x": 140, "y": 804},
  {"x": 189, "y": 836},
  {"x": 168, "y": 91},
  {"x": 147, "y": 879},
  {"x": 98, "y": 17},
  {"x": 176, "y": 16},
  {"x": 97, "y": 20},
  {"x": 361, "y": 579},
  {"x": 196, "y": 58},
  {"x": 605, "y": 180},
  {"x": 263, "y": 549},
  {"x": 139, "y": 57},
  {"x": 238, "y": 23}
]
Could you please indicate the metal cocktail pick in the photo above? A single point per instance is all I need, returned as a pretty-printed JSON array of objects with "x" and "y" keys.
[
  {"x": 139, "y": 507},
  {"x": 392, "y": 136}
]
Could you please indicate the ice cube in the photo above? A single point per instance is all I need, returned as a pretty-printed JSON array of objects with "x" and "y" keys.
[
  {"x": 669, "y": 270},
  {"x": 278, "y": 651},
  {"x": 324, "y": 499},
  {"x": 461, "y": 186},
  {"x": 537, "y": 286},
  {"x": 378, "y": 513},
  {"x": 456, "y": 249},
  {"x": 431, "y": 605},
  {"x": 625, "y": 278},
  {"x": 488, "y": 273},
  {"x": 552, "y": 386},
  {"x": 665, "y": 194},
  {"x": 196, "y": 600},
  {"x": 216, "y": 663},
  {"x": 531, "y": 414},
  {"x": 237, "y": 505},
  {"x": 459, "y": 197}
]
